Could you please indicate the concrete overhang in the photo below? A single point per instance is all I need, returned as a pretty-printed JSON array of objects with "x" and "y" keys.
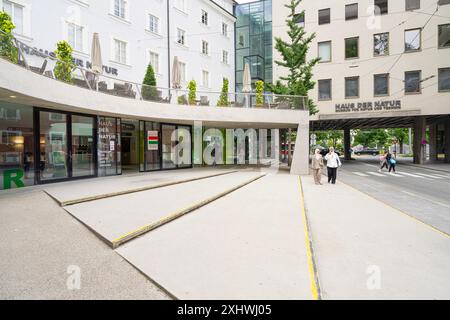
[{"x": 36, "y": 90}]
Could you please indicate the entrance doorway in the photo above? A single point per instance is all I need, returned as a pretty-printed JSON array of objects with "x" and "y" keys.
[{"x": 130, "y": 145}]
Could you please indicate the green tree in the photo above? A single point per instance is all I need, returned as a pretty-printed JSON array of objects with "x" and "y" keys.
[
  {"x": 223, "y": 99},
  {"x": 259, "y": 89},
  {"x": 402, "y": 136},
  {"x": 149, "y": 90},
  {"x": 293, "y": 53},
  {"x": 64, "y": 64},
  {"x": 329, "y": 138},
  {"x": 192, "y": 95},
  {"x": 372, "y": 138},
  {"x": 7, "y": 47}
]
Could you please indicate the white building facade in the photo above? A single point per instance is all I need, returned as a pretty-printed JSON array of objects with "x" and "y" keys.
[
  {"x": 385, "y": 59},
  {"x": 134, "y": 33}
]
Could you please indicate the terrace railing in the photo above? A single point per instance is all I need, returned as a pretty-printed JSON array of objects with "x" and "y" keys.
[{"x": 44, "y": 63}]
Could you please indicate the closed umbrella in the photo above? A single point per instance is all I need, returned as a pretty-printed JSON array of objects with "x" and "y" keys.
[
  {"x": 247, "y": 84},
  {"x": 176, "y": 74},
  {"x": 96, "y": 58}
]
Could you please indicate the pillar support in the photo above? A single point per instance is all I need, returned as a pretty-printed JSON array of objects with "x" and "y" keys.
[
  {"x": 300, "y": 160},
  {"x": 419, "y": 136},
  {"x": 432, "y": 129},
  {"x": 347, "y": 144}
]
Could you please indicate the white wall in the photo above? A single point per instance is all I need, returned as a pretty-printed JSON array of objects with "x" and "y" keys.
[
  {"x": 45, "y": 25},
  {"x": 429, "y": 59}
]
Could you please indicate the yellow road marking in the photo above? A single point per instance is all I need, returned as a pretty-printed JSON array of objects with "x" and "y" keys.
[{"x": 312, "y": 272}]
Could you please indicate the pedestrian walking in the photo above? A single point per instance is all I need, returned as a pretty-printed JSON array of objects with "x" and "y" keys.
[
  {"x": 333, "y": 162},
  {"x": 391, "y": 161},
  {"x": 317, "y": 165},
  {"x": 383, "y": 161}
]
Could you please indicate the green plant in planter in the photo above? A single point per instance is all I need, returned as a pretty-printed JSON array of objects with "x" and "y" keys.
[
  {"x": 182, "y": 99},
  {"x": 192, "y": 96},
  {"x": 7, "y": 48},
  {"x": 259, "y": 89},
  {"x": 64, "y": 64},
  {"x": 149, "y": 91},
  {"x": 223, "y": 99}
]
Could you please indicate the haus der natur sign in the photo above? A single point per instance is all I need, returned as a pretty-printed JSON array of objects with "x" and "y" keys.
[{"x": 380, "y": 105}]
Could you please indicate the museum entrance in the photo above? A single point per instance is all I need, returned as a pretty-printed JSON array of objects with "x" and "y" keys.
[{"x": 130, "y": 140}]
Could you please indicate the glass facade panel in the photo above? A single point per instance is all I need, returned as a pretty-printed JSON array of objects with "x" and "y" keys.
[
  {"x": 381, "y": 44},
  {"x": 168, "y": 157},
  {"x": 16, "y": 146},
  {"x": 153, "y": 146},
  {"x": 53, "y": 164},
  {"x": 444, "y": 36},
  {"x": 352, "y": 87},
  {"x": 412, "y": 82},
  {"x": 83, "y": 146},
  {"x": 325, "y": 89},
  {"x": 381, "y": 84},
  {"x": 412, "y": 40},
  {"x": 107, "y": 146}
]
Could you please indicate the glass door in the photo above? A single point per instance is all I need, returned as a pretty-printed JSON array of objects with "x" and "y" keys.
[
  {"x": 53, "y": 149},
  {"x": 83, "y": 148},
  {"x": 66, "y": 145}
]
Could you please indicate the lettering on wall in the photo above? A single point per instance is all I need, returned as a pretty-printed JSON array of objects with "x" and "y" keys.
[{"x": 381, "y": 105}]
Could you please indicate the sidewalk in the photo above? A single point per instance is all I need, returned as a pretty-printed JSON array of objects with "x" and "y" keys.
[{"x": 365, "y": 249}]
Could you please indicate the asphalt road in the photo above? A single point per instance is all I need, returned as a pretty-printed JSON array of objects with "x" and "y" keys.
[{"x": 419, "y": 192}]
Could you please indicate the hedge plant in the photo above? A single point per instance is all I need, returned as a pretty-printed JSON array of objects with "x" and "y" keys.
[
  {"x": 149, "y": 91},
  {"x": 192, "y": 96},
  {"x": 223, "y": 99},
  {"x": 259, "y": 89},
  {"x": 7, "y": 47},
  {"x": 64, "y": 64}
]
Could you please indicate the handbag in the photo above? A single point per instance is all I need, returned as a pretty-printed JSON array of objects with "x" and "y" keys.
[{"x": 393, "y": 161}]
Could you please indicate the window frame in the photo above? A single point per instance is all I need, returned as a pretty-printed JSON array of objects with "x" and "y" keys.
[
  {"x": 204, "y": 17},
  {"x": 329, "y": 16},
  {"x": 331, "y": 51},
  {"x": 404, "y": 40},
  {"x": 155, "y": 68},
  {"x": 13, "y": 15},
  {"x": 81, "y": 31},
  {"x": 420, "y": 81},
  {"x": 345, "y": 87},
  {"x": 331, "y": 90},
  {"x": 375, "y": 94},
  {"x": 357, "y": 11},
  {"x": 438, "y": 44},
  {"x": 203, "y": 47},
  {"x": 116, "y": 40},
  {"x": 181, "y": 32},
  {"x": 225, "y": 31},
  {"x": 150, "y": 24},
  {"x": 439, "y": 79},
  {"x": 345, "y": 48},
  {"x": 207, "y": 78},
  {"x": 226, "y": 54},
  {"x": 123, "y": 7},
  {"x": 406, "y": 6},
  {"x": 389, "y": 43},
  {"x": 387, "y": 7}
]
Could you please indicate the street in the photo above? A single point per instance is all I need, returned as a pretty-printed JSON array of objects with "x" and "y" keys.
[{"x": 419, "y": 192}]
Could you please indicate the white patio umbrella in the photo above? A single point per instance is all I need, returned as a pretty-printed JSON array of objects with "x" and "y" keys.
[
  {"x": 96, "y": 57},
  {"x": 176, "y": 74},
  {"x": 247, "y": 84}
]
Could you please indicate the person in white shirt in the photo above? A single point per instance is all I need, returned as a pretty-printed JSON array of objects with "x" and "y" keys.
[{"x": 333, "y": 162}]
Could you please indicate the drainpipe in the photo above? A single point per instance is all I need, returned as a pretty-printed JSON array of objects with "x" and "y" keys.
[{"x": 168, "y": 44}]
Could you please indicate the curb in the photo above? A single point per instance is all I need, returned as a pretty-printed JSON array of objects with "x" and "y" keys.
[
  {"x": 119, "y": 193},
  {"x": 312, "y": 267},
  {"x": 175, "y": 215}
]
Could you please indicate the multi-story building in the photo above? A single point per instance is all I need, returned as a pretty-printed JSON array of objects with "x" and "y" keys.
[
  {"x": 383, "y": 64},
  {"x": 254, "y": 41},
  {"x": 134, "y": 33}
]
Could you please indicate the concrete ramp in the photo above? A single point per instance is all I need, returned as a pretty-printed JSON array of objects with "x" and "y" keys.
[
  {"x": 249, "y": 244},
  {"x": 100, "y": 188},
  {"x": 121, "y": 218}
]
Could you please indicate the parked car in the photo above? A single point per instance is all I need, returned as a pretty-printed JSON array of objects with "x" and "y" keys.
[{"x": 373, "y": 152}]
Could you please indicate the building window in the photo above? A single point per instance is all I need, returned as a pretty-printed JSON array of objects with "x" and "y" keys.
[
  {"x": 325, "y": 51},
  {"x": 412, "y": 81},
  {"x": 351, "y": 48},
  {"x": 182, "y": 66},
  {"x": 413, "y": 40},
  {"x": 324, "y": 16},
  {"x": 153, "y": 23},
  {"x": 442, "y": 2},
  {"x": 154, "y": 61},
  {"x": 381, "y": 44},
  {"x": 351, "y": 11},
  {"x": 444, "y": 79},
  {"x": 181, "y": 35},
  {"x": 299, "y": 18},
  {"x": 381, "y": 84},
  {"x": 352, "y": 87},
  {"x": 204, "y": 17},
  {"x": 75, "y": 36},
  {"x": 412, "y": 5},
  {"x": 444, "y": 36},
  {"x": 224, "y": 29},
  {"x": 16, "y": 13},
  {"x": 225, "y": 56},
  {"x": 205, "y": 47},
  {"x": 324, "y": 89},
  {"x": 119, "y": 8},
  {"x": 120, "y": 51},
  {"x": 381, "y": 6},
  {"x": 205, "y": 79}
]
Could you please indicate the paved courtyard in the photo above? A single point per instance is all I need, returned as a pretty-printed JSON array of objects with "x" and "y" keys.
[{"x": 215, "y": 234}]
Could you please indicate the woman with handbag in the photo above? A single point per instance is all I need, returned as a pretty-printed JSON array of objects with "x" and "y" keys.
[{"x": 317, "y": 165}]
